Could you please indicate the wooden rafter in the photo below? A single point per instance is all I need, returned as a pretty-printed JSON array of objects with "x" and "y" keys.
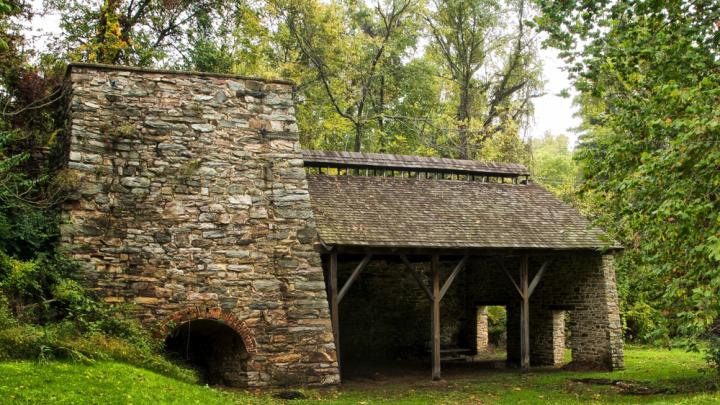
[{"x": 535, "y": 281}]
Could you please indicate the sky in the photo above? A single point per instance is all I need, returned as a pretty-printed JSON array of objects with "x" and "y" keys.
[{"x": 553, "y": 113}]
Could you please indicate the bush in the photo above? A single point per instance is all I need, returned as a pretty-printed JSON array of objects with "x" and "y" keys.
[
  {"x": 497, "y": 325},
  {"x": 45, "y": 314},
  {"x": 60, "y": 341}
]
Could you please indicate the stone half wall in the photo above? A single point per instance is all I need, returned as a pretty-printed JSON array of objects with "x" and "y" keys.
[{"x": 192, "y": 199}]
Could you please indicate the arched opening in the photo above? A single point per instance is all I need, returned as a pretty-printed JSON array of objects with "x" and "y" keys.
[{"x": 213, "y": 348}]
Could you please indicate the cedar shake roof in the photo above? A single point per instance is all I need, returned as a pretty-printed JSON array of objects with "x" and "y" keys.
[
  {"x": 388, "y": 161},
  {"x": 410, "y": 212}
]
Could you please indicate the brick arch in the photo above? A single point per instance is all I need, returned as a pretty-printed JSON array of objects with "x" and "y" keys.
[{"x": 214, "y": 313}]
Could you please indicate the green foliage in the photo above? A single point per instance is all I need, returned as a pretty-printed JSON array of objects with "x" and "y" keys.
[
  {"x": 497, "y": 325},
  {"x": 672, "y": 373},
  {"x": 649, "y": 81},
  {"x": 488, "y": 60},
  {"x": 62, "y": 341},
  {"x": 352, "y": 51},
  {"x": 141, "y": 33},
  {"x": 553, "y": 166},
  {"x": 366, "y": 80},
  {"x": 44, "y": 312},
  {"x": 712, "y": 352}
]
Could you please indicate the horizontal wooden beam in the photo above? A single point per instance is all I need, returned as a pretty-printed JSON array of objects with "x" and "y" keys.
[
  {"x": 446, "y": 252},
  {"x": 425, "y": 253}
]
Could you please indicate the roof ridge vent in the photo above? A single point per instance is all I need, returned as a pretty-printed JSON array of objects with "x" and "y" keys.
[{"x": 409, "y": 163}]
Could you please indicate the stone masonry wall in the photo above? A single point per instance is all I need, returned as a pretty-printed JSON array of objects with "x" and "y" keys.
[
  {"x": 386, "y": 314},
  {"x": 579, "y": 283},
  {"x": 192, "y": 199},
  {"x": 584, "y": 284},
  {"x": 481, "y": 330}
]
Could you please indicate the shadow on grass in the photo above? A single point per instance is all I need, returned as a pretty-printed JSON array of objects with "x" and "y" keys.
[{"x": 694, "y": 385}]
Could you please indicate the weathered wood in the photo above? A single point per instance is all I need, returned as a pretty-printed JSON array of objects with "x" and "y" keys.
[
  {"x": 435, "y": 317},
  {"x": 524, "y": 315},
  {"x": 452, "y": 276},
  {"x": 334, "y": 303},
  {"x": 517, "y": 287},
  {"x": 525, "y": 290},
  {"x": 537, "y": 277},
  {"x": 416, "y": 276},
  {"x": 360, "y": 267}
]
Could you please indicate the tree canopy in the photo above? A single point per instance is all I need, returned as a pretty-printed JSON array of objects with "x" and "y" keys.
[
  {"x": 648, "y": 76},
  {"x": 454, "y": 78}
]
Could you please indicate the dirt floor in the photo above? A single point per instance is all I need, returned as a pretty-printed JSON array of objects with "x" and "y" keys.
[{"x": 359, "y": 375}]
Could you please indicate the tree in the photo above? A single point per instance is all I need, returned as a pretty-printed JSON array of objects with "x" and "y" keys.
[
  {"x": 649, "y": 82},
  {"x": 348, "y": 47},
  {"x": 131, "y": 32},
  {"x": 553, "y": 166},
  {"x": 494, "y": 70}
]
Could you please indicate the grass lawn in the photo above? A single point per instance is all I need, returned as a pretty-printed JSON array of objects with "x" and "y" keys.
[{"x": 673, "y": 376}]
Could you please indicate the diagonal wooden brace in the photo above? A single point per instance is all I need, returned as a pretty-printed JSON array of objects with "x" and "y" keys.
[
  {"x": 416, "y": 276},
  {"x": 452, "y": 276},
  {"x": 360, "y": 267}
]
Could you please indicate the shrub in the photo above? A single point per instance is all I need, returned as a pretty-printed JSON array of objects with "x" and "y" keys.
[
  {"x": 60, "y": 341},
  {"x": 497, "y": 325}
]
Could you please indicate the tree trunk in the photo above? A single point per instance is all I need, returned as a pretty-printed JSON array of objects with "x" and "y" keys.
[
  {"x": 358, "y": 137},
  {"x": 463, "y": 116}
]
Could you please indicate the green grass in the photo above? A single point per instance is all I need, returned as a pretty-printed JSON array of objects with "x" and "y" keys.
[{"x": 675, "y": 371}]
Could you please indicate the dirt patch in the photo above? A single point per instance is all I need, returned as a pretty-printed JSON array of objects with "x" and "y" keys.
[
  {"x": 625, "y": 387},
  {"x": 583, "y": 366},
  {"x": 289, "y": 395}
]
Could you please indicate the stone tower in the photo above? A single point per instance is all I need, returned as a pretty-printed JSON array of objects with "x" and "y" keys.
[{"x": 192, "y": 203}]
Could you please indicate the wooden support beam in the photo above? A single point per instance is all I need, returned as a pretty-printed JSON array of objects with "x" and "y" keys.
[
  {"x": 517, "y": 287},
  {"x": 416, "y": 276},
  {"x": 525, "y": 291},
  {"x": 452, "y": 276},
  {"x": 435, "y": 264},
  {"x": 334, "y": 304},
  {"x": 524, "y": 315},
  {"x": 537, "y": 277},
  {"x": 360, "y": 267}
]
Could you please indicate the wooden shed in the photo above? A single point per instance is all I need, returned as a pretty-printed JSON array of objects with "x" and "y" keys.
[{"x": 484, "y": 230}]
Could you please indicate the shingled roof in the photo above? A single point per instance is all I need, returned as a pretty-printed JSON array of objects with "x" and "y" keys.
[
  {"x": 408, "y": 162},
  {"x": 426, "y": 213}
]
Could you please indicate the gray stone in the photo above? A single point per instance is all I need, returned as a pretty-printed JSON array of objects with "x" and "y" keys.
[
  {"x": 203, "y": 127},
  {"x": 238, "y": 253},
  {"x": 141, "y": 182}
]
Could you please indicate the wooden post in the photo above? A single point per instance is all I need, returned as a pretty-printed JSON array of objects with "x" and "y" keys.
[
  {"x": 525, "y": 290},
  {"x": 524, "y": 315},
  {"x": 436, "y": 317},
  {"x": 334, "y": 312}
]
